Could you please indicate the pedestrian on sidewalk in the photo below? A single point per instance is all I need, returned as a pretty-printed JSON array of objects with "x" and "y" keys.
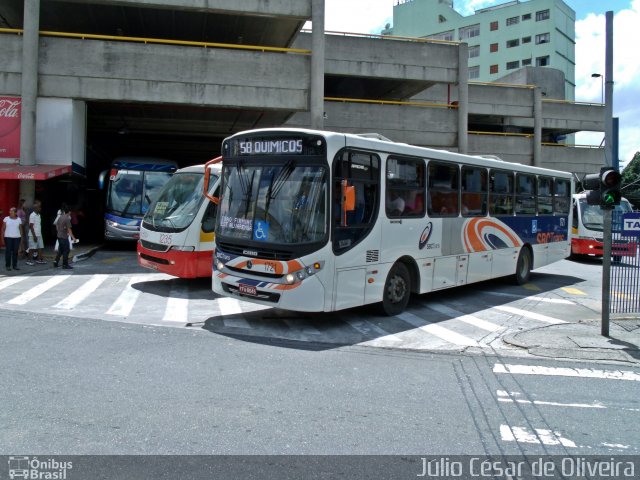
[
  {"x": 12, "y": 234},
  {"x": 64, "y": 233},
  {"x": 22, "y": 215},
  {"x": 36, "y": 243}
]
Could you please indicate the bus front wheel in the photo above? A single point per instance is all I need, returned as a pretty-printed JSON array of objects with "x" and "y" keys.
[
  {"x": 397, "y": 290},
  {"x": 523, "y": 267}
]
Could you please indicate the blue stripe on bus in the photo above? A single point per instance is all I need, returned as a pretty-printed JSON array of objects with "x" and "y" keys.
[{"x": 536, "y": 230}]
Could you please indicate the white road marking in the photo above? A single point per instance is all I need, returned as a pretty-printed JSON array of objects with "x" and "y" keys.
[
  {"x": 539, "y": 299},
  {"x": 527, "y": 314},
  {"x": 541, "y": 436},
  {"x": 567, "y": 372},
  {"x": 124, "y": 304},
  {"x": 369, "y": 328},
  {"x": 177, "y": 309},
  {"x": 469, "y": 319},
  {"x": 38, "y": 290},
  {"x": 228, "y": 307},
  {"x": 506, "y": 397},
  {"x": 437, "y": 330},
  {"x": 11, "y": 281},
  {"x": 75, "y": 298},
  {"x": 615, "y": 445}
]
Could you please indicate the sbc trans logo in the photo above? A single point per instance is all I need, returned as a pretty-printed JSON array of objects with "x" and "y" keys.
[
  {"x": 426, "y": 235},
  {"x": 35, "y": 469}
]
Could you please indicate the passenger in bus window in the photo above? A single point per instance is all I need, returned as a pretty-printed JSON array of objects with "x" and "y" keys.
[{"x": 395, "y": 204}]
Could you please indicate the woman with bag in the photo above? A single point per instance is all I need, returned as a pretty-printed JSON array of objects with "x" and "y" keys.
[{"x": 12, "y": 234}]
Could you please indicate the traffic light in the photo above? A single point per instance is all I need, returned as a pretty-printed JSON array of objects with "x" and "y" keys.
[
  {"x": 603, "y": 188},
  {"x": 610, "y": 187},
  {"x": 591, "y": 183}
]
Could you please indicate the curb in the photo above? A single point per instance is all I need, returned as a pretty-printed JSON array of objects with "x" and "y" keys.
[{"x": 88, "y": 254}]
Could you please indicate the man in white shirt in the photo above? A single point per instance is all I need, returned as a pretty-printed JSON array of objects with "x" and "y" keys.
[{"x": 35, "y": 235}]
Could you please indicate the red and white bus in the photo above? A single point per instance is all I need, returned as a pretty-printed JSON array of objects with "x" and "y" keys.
[
  {"x": 587, "y": 230},
  {"x": 321, "y": 221},
  {"x": 177, "y": 233}
]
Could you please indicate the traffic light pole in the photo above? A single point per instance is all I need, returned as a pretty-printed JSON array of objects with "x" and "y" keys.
[{"x": 607, "y": 214}]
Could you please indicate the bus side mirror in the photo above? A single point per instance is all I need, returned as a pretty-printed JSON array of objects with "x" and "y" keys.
[
  {"x": 348, "y": 200},
  {"x": 207, "y": 179},
  {"x": 101, "y": 178}
]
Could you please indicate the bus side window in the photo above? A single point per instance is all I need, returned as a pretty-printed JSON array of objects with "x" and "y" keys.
[
  {"x": 575, "y": 220},
  {"x": 209, "y": 217},
  {"x": 442, "y": 180}
]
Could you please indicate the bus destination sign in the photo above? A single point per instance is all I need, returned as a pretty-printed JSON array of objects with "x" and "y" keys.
[{"x": 253, "y": 146}]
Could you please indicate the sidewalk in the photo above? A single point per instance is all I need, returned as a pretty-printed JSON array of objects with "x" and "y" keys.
[
  {"x": 80, "y": 252},
  {"x": 583, "y": 341}
]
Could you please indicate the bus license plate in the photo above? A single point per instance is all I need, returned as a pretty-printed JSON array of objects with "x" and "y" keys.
[{"x": 247, "y": 290}]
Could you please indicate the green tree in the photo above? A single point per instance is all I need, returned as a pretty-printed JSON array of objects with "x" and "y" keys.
[{"x": 631, "y": 181}]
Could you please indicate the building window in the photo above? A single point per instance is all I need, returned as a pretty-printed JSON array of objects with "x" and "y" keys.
[
  {"x": 542, "y": 15},
  {"x": 493, "y": 69},
  {"x": 493, "y": 26},
  {"x": 474, "y": 73},
  {"x": 474, "y": 51},
  {"x": 526, "y": 16},
  {"x": 512, "y": 65},
  {"x": 542, "y": 61},
  {"x": 526, "y": 61},
  {"x": 469, "y": 32},
  {"x": 526, "y": 39},
  {"x": 493, "y": 47},
  {"x": 513, "y": 21},
  {"x": 448, "y": 36},
  {"x": 513, "y": 43},
  {"x": 441, "y": 19},
  {"x": 543, "y": 38}
]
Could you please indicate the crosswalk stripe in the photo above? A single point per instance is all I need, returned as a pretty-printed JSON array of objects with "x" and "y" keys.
[
  {"x": 368, "y": 328},
  {"x": 125, "y": 302},
  {"x": 469, "y": 319},
  {"x": 532, "y": 315},
  {"x": 566, "y": 372},
  {"x": 77, "y": 297},
  {"x": 38, "y": 290},
  {"x": 11, "y": 281},
  {"x": 229, "y": 307},
  {"x": 536, "y": 298},
  {"x": 177, "y": 309},
  {"x": 437, "y": 330}
]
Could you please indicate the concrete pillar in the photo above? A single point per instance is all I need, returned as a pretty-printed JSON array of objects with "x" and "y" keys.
[
  {"x": 316, "y": 92},
  {"x": 537, "y": 127},
  {"x": 29, "y": 94},
  {"x": 463, "y": 98}
]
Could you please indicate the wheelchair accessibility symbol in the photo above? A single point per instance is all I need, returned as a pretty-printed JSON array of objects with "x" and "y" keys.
[{"x": 260, "y": 230}]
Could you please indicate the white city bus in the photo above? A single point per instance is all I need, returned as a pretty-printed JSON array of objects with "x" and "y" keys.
[
  {"x": 177, "y": 233},
  {"x": 587, "y": 230},
  {"x": 320, "y": 221}
]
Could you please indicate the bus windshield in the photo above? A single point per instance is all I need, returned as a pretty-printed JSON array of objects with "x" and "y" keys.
[
  {"x": 591, "y": 215},
  {"x": 178, "y": 202},
  {"x": 280, "y": 204},
  {"x": 132, "y": 191}
]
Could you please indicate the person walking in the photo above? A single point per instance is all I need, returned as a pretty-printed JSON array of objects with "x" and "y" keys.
[
  {"x": 64, "y": 232},
  {"x": 12, "y": 234},
  {"x": 36, "y": 243},
  {"x": 22, "y": 215}
]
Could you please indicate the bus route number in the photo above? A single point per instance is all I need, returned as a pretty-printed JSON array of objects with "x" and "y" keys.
[{"x": 165, "y": 239}]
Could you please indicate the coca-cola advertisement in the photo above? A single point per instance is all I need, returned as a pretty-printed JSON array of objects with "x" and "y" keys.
[{"x": 10, "y": 109}]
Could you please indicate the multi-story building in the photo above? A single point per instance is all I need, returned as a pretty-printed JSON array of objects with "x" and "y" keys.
[{"x": 501, "y": 38}]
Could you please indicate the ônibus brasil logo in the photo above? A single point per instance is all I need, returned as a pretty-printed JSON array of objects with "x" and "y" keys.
[
  {"x": 33, "y": 468},
  {"x": 426, "y": 235}
]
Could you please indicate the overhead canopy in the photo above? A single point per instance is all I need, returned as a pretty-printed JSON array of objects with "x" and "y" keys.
[{"x": 33, "y": 172}]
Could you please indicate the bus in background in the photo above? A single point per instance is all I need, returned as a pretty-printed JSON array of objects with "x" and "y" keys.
[
  {"x": 321, "y": 221},
  {"x": 131, "y": 185},
  {"x": 587, "y": 236},
  {"x": 177, "y": 233}
]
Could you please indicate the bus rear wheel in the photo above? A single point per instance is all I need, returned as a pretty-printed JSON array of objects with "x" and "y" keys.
[
  {"x": 397, "y": 290},
  {"x": 523, "y": 267}
]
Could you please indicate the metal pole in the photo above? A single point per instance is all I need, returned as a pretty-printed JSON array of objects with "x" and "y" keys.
[
  {"x": 608, "y": 161},
  {"x": 316, "y": 93}
]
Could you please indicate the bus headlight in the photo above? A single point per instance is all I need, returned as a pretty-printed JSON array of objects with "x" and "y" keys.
[
  {"x": 111, "y": 223},
  {"x": 220, "y": 266},
  {"x": 306, "y": 272}
]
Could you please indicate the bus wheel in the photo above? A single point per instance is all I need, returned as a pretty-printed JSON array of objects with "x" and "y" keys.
[
  {"x": 523, "y": 268},
  {"x": 397, "y": 290}
]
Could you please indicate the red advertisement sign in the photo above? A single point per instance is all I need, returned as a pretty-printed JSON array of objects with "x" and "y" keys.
[{"x": 10, "y": 109}]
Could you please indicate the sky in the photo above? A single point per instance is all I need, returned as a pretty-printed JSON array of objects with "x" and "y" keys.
[{"x": 370, "y": 16}]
